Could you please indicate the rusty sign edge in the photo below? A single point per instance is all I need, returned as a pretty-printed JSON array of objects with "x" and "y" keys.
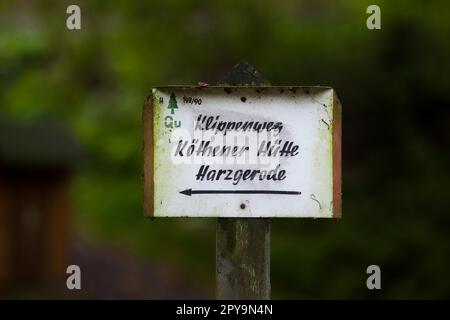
[
  {"x": 148, "y": 150},
  {"x": 337, "y": 157}
]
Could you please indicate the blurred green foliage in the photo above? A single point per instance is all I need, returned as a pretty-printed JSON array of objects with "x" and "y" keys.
[{"x": 393, "y": 84}]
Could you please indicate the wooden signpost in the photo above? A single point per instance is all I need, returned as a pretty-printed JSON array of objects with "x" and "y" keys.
[{"x": 242, "y": 151}]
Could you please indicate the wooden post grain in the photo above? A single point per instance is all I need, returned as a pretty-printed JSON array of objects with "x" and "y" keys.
[{"x": 243, "y": 244}]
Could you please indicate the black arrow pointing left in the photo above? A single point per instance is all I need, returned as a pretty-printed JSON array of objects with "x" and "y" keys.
[{"x": 189, "y": 192}]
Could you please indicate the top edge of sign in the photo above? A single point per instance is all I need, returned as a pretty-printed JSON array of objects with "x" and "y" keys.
[{"x": 190, "y": 87}]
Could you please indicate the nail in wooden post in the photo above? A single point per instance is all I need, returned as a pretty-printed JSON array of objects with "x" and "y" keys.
[{"x": 243, "y": 244}]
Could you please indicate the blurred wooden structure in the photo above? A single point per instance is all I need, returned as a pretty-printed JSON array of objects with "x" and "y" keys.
[{"x": 35, "y": 205}]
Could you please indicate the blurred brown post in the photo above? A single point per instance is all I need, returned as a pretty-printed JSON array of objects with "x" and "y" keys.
[
  {"x": 243, "y": 244},
  {"x": 35, "y": 203}
]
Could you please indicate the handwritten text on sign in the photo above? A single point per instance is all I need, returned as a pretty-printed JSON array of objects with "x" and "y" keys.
[{"x": 242, "y": 152}]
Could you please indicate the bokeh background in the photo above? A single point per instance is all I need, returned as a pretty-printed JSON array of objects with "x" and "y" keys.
[{"x": 71, "y": 101}]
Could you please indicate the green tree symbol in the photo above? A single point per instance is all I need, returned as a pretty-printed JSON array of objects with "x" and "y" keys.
[{"x": 172, "y": 104}]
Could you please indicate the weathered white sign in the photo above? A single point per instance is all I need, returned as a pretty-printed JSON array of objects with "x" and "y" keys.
[{"x": 242, "y": 152}]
